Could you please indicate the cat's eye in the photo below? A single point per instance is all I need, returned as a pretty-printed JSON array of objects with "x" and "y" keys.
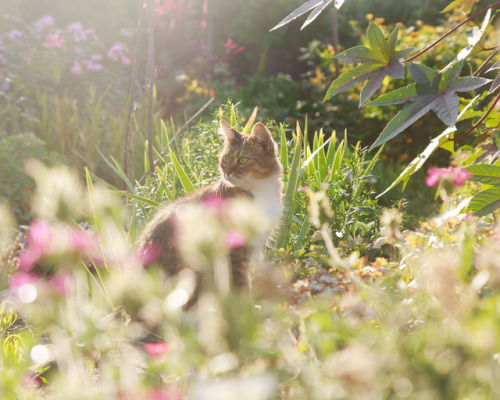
[{"x": 242, "y": 160}]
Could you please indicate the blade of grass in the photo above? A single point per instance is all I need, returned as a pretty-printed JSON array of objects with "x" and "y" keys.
[
  {"x": 181, "y": 174},
  {"x": 250, "y": 121}
]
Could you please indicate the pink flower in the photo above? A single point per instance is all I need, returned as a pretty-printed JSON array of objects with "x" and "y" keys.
[
  {"x": 76, "y": 69},
  {"x": 79, "y": 33},
  {"x": 39, "y": 243},
  {"x": 456, "y": 175},
  {"x": 43, "y": 22},
  {"x": 460, "y": 176},
  {"x": 433, "y": 176},
  {"x": 234, "y": 239},
  {"x": 214, "y": 202},
  {"x": 14, "y": 34},
  {"x": 231, "y": 47},
  {"x": 119, "y": 52},
  {"x": 156, "y": 349},
  {"x": 91, "y": 66},
  {"x": 148, "y": 254},
  {"x": 61, "y": 282},
  {"x": 3, "y": 60},
  {"x": 22, "y": 278},
  {"x": 54, "y": 40}
]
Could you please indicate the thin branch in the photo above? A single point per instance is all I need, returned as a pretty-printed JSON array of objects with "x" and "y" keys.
[
  {"x": 151, "y": 81},
  {"x": 488, "y": 112},
  {"x": 486, "y": 61},
  {"x": 497, "y": 4},
  {"x": 131, "y": 91},
  {"x": 205, "y": 106}
]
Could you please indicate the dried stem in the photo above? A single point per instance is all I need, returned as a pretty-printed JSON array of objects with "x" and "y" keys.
[
  {"x": 151, "y": 83},
  {"x": 131, "y": 92}
]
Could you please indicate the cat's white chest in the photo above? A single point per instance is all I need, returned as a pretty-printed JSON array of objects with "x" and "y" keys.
[{"x": 267, "y": 197}]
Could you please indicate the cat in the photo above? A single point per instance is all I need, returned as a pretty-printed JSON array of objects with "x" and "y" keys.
[{"x": 250, "y": 168}]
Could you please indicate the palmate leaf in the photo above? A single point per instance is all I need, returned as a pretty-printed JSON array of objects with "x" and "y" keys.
[
  {"x": 417, "y": 163},
  {"x": 432, "y": 91},
  {"x": 317, "y": 6},
  {"x": 377, "y": 61}
]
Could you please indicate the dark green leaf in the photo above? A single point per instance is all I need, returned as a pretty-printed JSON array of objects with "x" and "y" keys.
[
  {"x": 433, "y": 91},
  {"x": 485, "y": 202},
  {"x": 410, "y": 113},
  {"x": 352, "y": 77},
  {"x": 378, "y": 61}
]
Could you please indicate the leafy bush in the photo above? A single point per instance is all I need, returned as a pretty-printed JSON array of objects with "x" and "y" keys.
[{"x": 16, "y": 186}]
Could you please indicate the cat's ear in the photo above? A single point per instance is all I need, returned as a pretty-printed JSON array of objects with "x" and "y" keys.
[
  {"x": 261, "y": 133},
  {"x": 227, "y": 131}
]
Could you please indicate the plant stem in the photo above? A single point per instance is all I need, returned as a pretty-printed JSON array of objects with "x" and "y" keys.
[
  {"x": 497, "y": 4},
  {"x": 486, "y": 61},
  {"x": 151, "y": 82},
  {"x": 488, "y": 112},
  {"x": 126, "y": 146}
]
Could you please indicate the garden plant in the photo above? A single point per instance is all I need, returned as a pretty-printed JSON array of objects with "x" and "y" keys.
[{"x": 360, "y": 293}]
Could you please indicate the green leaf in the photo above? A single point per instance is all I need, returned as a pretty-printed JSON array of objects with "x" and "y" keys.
[
  {"x": 432, "y": 91},
  {"x": 351, "y": 78},
  {"x": 465, "y": 5},
  {"x": 378, "y": 61},
  {"x": 485, "y": 202},
  {"x": 420, "y": 160},
  {"x": 185, "y": 181},
  {"x": 410, "y": 113},
  {"x": 486, "y": 174}
]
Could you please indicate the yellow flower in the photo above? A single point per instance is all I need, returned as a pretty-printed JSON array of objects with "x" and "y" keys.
[{"x": 369, "y": 16}]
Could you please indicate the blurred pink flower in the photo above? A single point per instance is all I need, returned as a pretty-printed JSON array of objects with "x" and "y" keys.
[
  {"x": 96, "y": 57},
  {"x": 148, "y": 254},
  {"x": 232, "y": 48},
  {"x": 119, "y": 52},
  {"x": 214, "y": 202},
  {"x": 61, "y": 282},
  {"x": 3, "y": 60},
  {"x": 14, "y": 34},
  {"x": 234, "y": 239},
  {"x": 54, "y": 40},
  {"x": 39, "y": 243},
  {"x": 76, "y": 69},
  {"x": 22, "y": 278},
  {"x": 2, "y": 75},
  {"x": 156, "y": 349},
  {"x": 79, "y": 33},
  {"x": 43, "y": 22},
  {"x": 91, "y": 66},
  {"x": 456, "y": 175}
]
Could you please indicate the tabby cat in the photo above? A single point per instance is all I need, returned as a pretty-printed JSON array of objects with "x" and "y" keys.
[{"x": 250, "y": 169}]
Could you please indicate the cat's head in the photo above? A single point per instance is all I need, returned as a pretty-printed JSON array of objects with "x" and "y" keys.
[{"x": 247, "y": 160}]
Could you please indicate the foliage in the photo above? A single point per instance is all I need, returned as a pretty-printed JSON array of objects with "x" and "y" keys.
[
  {"x": 16, "y": 187},
  {"x": 418, "y": 321},
  {"x": 55, "y": 82},
  {"x": 432, "y": 89}
]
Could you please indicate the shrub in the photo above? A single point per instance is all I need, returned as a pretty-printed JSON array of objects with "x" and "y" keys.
[{"x": 16, "y": 186}]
